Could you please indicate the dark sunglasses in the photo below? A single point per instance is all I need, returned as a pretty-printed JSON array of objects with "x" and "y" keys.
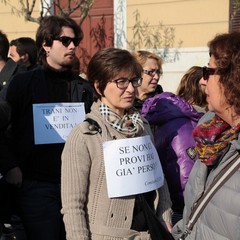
[
  {"x": 207, "y": 72},
  {"x": 67, "y": 40}
]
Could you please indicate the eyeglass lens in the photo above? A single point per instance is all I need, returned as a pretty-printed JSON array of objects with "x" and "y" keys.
[
  {"x": 67, "y": 40},
  {"x": 152, "y": 72},
  {"x": 124, "y": 82}
]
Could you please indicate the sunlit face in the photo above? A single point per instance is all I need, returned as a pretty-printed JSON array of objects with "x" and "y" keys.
[
  {"x": 149, "y": 83},
  {"x": 214, "y": 91},
  {"x": 59, "y": 56},
  {"x": 13, "y": 54},
  {"x": 119, "y": 99}
]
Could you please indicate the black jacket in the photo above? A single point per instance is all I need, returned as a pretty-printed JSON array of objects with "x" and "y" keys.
[
  {"x": 41, "y": 85},
  {"x": 10, "y": 69}
]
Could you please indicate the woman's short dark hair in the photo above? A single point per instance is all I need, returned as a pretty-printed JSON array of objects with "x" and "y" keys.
[
  {"x": 50, "y": 28},
  {"x": 226, "y": 50},
  {"x": 108, "y": 63}
]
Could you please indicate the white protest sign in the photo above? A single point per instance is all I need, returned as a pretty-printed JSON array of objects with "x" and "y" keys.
[
  {"x": 54, "y": 121},
  {"x": 132, "y": 166}
]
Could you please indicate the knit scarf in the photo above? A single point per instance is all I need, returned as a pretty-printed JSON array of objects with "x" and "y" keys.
[
  {"x": 212, "y": 138},
  {"x": 130, "y": 125}
]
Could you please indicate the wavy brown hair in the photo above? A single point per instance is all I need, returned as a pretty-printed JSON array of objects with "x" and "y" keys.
[
  {"x": 226, "y": 50},
  {"x": 189, "y": 87}
]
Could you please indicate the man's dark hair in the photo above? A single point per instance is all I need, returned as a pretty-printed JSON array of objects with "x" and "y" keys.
[
  {"x": 26, "y": 45},
  {"x": 4, "y": 46},
  {"x": 50, "y": 28}
]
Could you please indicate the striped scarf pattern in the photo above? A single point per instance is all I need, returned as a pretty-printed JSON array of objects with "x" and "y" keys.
[{"x": 131, "y": 124}]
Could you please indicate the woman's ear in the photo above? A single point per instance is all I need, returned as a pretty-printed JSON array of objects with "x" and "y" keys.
[{"x": 96, "y": 86}]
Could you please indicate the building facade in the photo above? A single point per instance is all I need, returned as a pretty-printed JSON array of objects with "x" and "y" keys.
[
  {"x": 177, "y": 30},
  {"x": 184, "y": 27}
]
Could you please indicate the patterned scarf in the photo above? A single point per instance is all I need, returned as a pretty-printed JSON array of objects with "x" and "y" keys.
[
  {"x": 212, "y": 138},
  {"x": 131, "y": 124}
]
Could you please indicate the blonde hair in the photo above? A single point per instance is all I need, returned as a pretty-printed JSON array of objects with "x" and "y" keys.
[{"x": 142, "y": 56}]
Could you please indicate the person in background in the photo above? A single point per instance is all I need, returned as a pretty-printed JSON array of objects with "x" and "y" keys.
[
  {"x": 36, "y": 168},
  {"x": 192, "y": 90},
  {"x": 152, "y": 70},
  {"x": 23, "y": 56},
  {"x": 174, "y": 118},
  {"x": 217, "y": 145},
  {"x": 4, "y": 46},
  {"x": 23, "y": 50},
  {"x": 89, "y": 212},
  {"x": 8, "y": 67}
]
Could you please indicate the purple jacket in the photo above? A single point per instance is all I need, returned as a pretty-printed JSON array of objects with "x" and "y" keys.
[{"x": 174, "y": 120}]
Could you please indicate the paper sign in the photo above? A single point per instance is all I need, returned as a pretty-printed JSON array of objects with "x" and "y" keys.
[
  {"x": 132, "y": 166},
  {"x": 54, "y": 121}
]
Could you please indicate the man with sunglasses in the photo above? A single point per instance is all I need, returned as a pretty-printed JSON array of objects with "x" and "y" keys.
[{"x": 55, "y": 83}]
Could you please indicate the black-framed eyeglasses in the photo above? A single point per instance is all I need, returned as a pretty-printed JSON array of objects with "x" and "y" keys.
[
  {"x": 123, "y": 83},
  {"x": 152, "y": 72},
  {"x": 67, "y": 40},
  {"x": 207, "y": 72}
]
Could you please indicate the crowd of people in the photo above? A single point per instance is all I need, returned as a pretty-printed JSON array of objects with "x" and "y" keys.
[{"x": 114, "y": 156}]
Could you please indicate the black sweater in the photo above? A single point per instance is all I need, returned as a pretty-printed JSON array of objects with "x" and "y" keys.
[{"x": 41, "y": 85}]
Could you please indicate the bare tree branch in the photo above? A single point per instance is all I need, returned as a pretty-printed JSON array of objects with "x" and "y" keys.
[{"x": 27, "y": 7}]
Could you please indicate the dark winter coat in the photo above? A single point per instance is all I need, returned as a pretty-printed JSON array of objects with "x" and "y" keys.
[
  {"x": 40, "y": 162},
  {"x": 10, "y": 69}
]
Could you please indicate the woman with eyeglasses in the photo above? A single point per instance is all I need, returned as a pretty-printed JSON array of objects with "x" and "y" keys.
[
  {"x": 174, "y": 117},
  {"x": 217, "y": 147},
  {"x": 152, "y": 70},
  {"x": 103, "y": 154}
]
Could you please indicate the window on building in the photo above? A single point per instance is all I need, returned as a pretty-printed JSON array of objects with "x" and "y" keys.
[{"x": 234, "y": 15}]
